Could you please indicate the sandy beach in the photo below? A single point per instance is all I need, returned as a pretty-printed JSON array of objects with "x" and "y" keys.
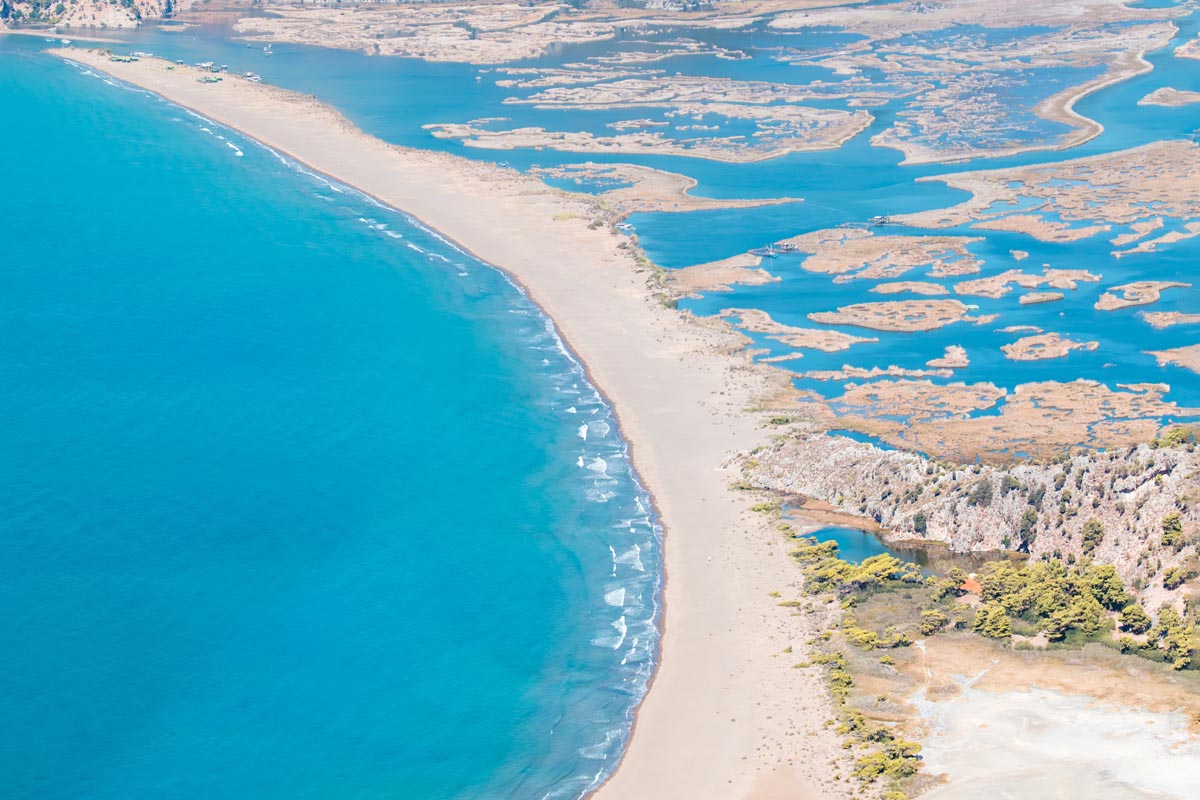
[{"x": 727, "y": 715}]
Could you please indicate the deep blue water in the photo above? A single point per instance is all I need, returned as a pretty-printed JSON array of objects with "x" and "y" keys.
[{"x": 297, "y": 499}]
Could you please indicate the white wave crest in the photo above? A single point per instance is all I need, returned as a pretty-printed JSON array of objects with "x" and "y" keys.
[{"x": 631, "y": 558}]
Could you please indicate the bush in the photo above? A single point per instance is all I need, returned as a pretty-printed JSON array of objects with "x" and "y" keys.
[
  {"x": 993, "y": 622},
  {"x": 920, "y": 523},
  {"x": 1035, "y": 496},
  {"x": 1093, "y": 533},
  {"x": 1177, "y": 576},
  {"x": 1028, "y": 520},
  {"x": 1173, "y": 636},
  {"x": 896, "y": 760},
  {"x": 1134, "y": 619},
  {"x": 1172, "y": 527},
  {"x": 932, "y": 621},
  {"x": 981, "y": 494}
]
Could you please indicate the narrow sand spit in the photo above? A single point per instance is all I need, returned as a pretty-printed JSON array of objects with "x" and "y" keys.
[{"x": 727, "y": 715}]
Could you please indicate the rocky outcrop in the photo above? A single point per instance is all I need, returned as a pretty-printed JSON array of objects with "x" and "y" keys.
[
  {"x": 90, "y": 13},
  {"x": 1041, "y": 509}
]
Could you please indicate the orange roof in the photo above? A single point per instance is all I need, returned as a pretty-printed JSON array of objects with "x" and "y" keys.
[{"x": 971, "y": 586}]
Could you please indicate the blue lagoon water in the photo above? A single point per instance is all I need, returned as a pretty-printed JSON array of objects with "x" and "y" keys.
[{"x": 299, "y": 500}]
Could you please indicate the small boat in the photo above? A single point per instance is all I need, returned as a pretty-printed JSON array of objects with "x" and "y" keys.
[
  {"x": 253, "y": 78},
  {"x": 623, "y": 226}
]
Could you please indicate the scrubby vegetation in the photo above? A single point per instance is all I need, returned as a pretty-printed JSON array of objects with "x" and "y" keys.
[
  {"x": 884, "y": 756},
  {"x": 886, "y": 602},
  {"x": 1078, "y": 604}
]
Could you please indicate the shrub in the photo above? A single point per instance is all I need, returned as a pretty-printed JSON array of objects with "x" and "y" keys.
[
  {"x": 896, "y": 760},
  {"x": 1028, "y": 520},
  {"x": 1177, "y": 576},
  {"x": 932, "y": 621},
  {"x": 1134, "y": 619},
  {"x": 1172, "y": 527},
  {"x": 1035, "y": 496},
  {"x": 993, "y": 622},
  {"x": 1093, "y": 533},
  {"x": 981, "y": 494}
]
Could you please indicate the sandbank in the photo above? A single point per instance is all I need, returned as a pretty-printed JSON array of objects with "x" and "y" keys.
[
  {"x": 1142, "y": 189},
  {"x": 59, "y": 36},
  {"x": 897, "y": 315},
  {"x": 725, "y": 714},
  {"x": 1044, "y": 346},
  {"x": 719, "y": 276},
  {"x": 1169, "y": 96},
  {"x": 641, "y": 189},
  {"x": 1138, "y": 293},
  {"x": 755, "y": 321},
  {"x": 858, "y": 253},
  {"x": 1035, "y": 298},
  {"x": 1165, "y": 319},
  {"x": 914, "y": 287},
  {"x": 955, "y": 357},
  {"x": 996, "y": 286},
  {"x": 1187, "y": 357}
]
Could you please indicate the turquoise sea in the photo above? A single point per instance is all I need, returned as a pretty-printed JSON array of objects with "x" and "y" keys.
[
  {"x": 303, "y": 502},
  {"x": 299, "y": 500}
]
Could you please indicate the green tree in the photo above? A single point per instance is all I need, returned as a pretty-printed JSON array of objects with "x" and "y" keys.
[
  {"x": 1135, "y": 619},
  {"x": 1086, "y": 615},
  {"x": 1103, "y": 583},
  {"x": 981, "y": 494},
  {"x": 1173, "y": 635},
  {"x": 1172, "y": 527},
  {"x": 992, "y": 621},
  {"x": 1028, "y": 520},
  {"x": 1093, "y": 533},
  {"x": 932, "y": 621}
]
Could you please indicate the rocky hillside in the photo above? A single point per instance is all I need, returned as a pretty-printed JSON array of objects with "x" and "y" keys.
[
  {"x": 84, "y": 13},
  {"x": 1135, "y": 508}
]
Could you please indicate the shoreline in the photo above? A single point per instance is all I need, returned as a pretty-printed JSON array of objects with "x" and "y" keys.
[
  {"x": 61, "y": 37},
  {"x": 720, "y": 706}
]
